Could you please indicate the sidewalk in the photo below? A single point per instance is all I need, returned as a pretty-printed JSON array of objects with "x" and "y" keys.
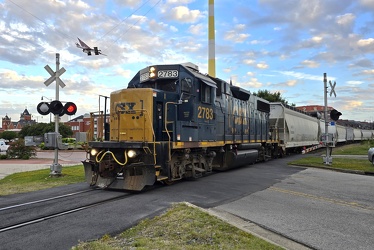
[{"x": 11, "y": 166}]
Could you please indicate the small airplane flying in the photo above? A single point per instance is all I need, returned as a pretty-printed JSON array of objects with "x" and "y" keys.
[{"x": 87, "y": 49}]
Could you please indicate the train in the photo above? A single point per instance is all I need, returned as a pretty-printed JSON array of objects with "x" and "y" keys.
[{"x": 173, "y": 122}]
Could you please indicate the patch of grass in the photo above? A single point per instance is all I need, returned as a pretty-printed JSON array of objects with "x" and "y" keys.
[
  {"x": 39, "y": 179},
  {"x": 181, "y": 227},
  {"x": 354, "y": 149},
  {"x": 338, "y": 163}
]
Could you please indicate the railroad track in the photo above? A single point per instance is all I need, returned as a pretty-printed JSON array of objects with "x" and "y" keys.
[{"x": 29, "y": 213}]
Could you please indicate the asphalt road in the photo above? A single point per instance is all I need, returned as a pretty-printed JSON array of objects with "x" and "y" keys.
[{"x": 319, "y": 208}]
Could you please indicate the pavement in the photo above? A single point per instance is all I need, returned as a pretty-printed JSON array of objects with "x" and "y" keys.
[{"x": 43, "y": 160}]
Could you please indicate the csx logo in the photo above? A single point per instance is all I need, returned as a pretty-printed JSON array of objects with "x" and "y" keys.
[{"x": 126, "y": 106}]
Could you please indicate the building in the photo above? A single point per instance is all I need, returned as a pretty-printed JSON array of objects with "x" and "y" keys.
[
  {"x": 25, "y": 119},
  {"x": 92, "y": 124}
]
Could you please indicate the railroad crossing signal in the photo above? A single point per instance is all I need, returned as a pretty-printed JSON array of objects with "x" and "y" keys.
[
  {"x": 332, "y": 88},
  {"x": 54, "y": 76},
  {"x": 56, "y": 108}
]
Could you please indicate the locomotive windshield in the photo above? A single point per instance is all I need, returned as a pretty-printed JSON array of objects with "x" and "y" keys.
[{"x": 169, "y": 85}]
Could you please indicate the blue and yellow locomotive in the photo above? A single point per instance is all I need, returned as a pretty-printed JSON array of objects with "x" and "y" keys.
[{"x": 173, "y": 122}]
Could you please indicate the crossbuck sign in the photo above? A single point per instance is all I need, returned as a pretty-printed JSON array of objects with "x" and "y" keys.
[{"x": 54, "y": 76}]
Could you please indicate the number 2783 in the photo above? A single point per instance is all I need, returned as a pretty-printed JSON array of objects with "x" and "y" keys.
[{"x": 205, "y": 113}]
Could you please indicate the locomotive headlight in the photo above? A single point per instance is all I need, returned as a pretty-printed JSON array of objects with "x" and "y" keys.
[
  {"x": 152, "y": 72},
  {"x": 132, "y": 153},
  {"x": 93, "y": 152}
]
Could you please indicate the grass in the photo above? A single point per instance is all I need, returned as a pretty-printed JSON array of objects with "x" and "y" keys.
[
  {"x": 337, "y": 163},
  {"x": 346, "y": 163},
  {"x": 39, "y": 179},
  {"x": 354, "y": 149},
  {"x": 180, "y": 227}
]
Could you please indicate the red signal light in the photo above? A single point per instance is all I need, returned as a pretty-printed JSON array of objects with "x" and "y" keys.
[{"x": 70, "y": 108}]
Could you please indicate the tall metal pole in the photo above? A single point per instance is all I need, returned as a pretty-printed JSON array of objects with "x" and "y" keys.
[
  {"x": 327, "y": 159},
  {"x": 211, "y": 45},
  {"x": 56, "y": 168}
]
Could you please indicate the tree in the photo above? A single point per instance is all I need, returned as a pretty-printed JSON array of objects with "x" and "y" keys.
[
  {"x": 18, "y": 150},
  {"x": 39, "y": 129},
  {"x": 9, "y": 135},
  {"x": 272, "y": 97}
]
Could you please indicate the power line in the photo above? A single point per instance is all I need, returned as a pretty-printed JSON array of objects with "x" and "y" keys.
[
  {"x": 123, "y": 20},
  {"x": 48, "y": 26},
  {"x": 138, "y": 20}
]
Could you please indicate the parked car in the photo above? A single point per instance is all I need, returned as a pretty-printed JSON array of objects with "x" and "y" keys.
[
  {"x": 371, "y": 155},
  {"x": 3, "y": 146}
]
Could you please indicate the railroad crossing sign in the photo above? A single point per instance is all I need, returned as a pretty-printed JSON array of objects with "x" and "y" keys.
[
  {"x": 54, "y": 76},
  {"x": 332, "y": 88}
]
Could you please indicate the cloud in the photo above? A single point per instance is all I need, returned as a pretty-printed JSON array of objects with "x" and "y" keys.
[
  {"x": 197, "y": 29},
  {"x": 252, "y": 83},
  {"x": 310, "y": 64},
  {"x": 262, "y": 65},
  {"x": 235, "y": 35},
  {"x": 10, "y": 79},
  {"x": 183, "y": 14},
  {"x": 366, "y": 45},
  {"x": 304, "y": 76},
  {"x": 352, "y": 105},
  {"x": 346, "y": 19},
  {"x": 354, "y": 82}
]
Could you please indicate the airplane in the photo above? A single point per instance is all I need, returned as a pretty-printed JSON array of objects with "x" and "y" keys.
[{"x": 87, "y": 49}]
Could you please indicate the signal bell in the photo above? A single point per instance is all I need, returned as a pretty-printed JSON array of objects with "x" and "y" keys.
[{"x": 334, "y": 114}]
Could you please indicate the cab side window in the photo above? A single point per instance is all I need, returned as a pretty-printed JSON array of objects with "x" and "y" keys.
[{"x": 206, "y": 93}]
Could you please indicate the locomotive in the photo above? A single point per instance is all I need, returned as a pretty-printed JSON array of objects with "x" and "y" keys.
[{"x": 173, "y": 122}]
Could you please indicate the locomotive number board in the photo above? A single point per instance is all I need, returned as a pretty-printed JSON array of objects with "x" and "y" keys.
[{"x": 167, "y": 73}]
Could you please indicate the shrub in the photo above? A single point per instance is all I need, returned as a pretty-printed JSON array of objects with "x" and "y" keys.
[
  {"x": 3, "y": 157},
  {"x": 18, "y": 150}
]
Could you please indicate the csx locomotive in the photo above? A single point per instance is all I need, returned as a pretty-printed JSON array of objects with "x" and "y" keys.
[{"x": 173, "y": 122}]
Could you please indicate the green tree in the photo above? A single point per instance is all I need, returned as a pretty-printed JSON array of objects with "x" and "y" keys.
[
  {"x": 272, "y": 97},
  {"x": 39, "y": 129},
  {"x": 65, "y": 130},
  {"x": 18, "y": 150},
  {"x": 9, "y": 135}
]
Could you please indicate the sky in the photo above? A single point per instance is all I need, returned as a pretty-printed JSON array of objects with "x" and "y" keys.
[{"x": 277, "y": 45}]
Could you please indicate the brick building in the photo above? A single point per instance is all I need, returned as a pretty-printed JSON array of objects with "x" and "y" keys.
[
  {"x": 93, "y": 125},
  {"x": 25, "y": 119}
]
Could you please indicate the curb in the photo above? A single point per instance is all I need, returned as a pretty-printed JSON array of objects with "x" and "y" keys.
[
  {"x": 252, "y": 228},
  {"x": 336, "y": 169}
]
